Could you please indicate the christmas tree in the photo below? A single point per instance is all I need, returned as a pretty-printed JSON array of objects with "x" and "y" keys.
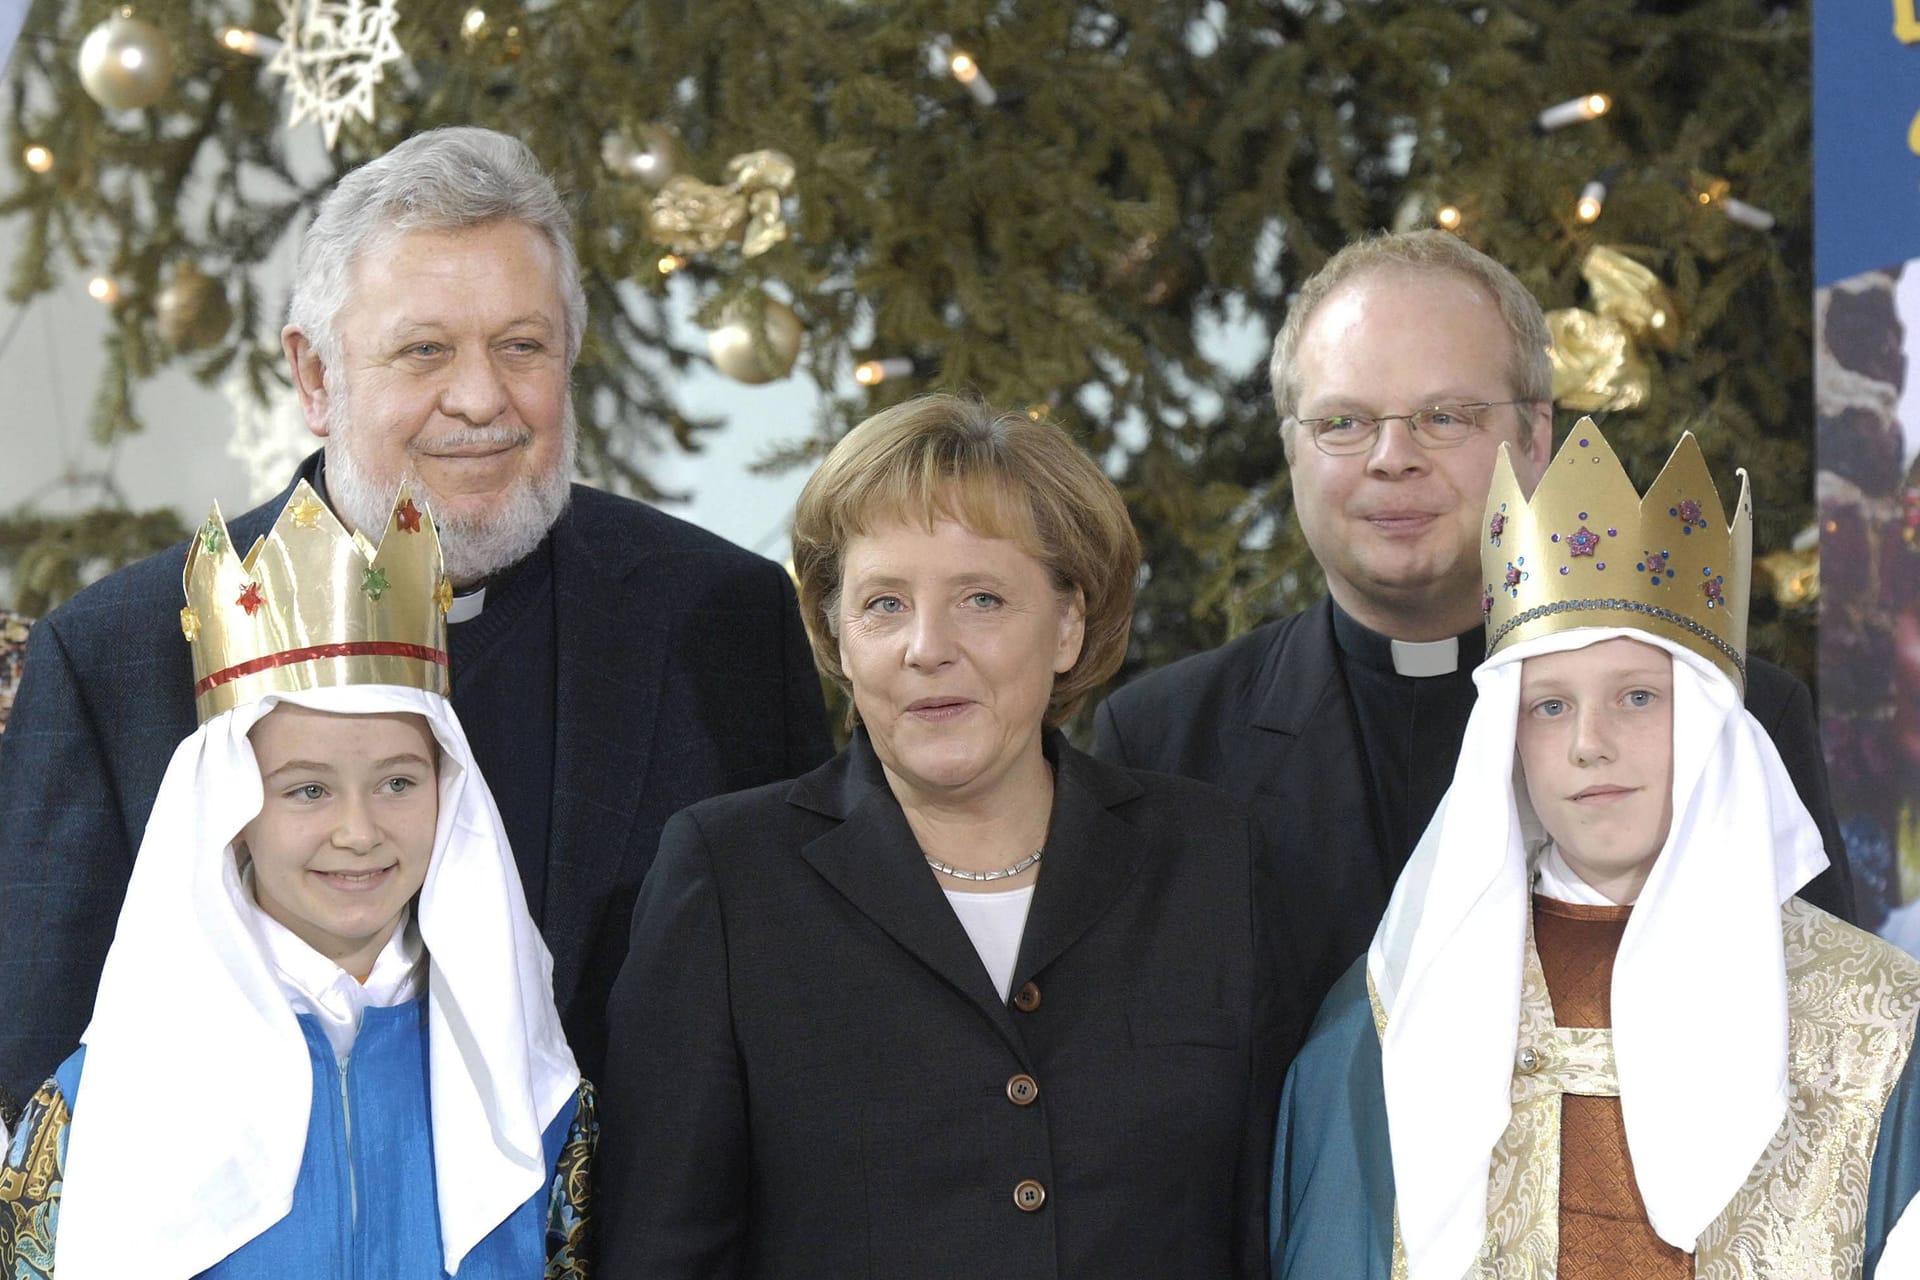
[{"x": 1081, "y": 208}]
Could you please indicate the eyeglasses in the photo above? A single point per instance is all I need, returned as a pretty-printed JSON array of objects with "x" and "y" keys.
[{"x": 1441, "y": 427}]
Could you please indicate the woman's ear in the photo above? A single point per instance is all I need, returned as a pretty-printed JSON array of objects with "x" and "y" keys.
[{"x": 1073, "y": 631}]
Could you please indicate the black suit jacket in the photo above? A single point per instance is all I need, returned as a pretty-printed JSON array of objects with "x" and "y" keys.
[
  {"x": 1268, "y": 718},
  {"x": 810, "y": 1071},
  {"x": 681, "y": 672}
]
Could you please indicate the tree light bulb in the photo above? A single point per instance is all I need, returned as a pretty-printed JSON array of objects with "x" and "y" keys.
[
  {"x": 871, "y": 373},
  {"x": 38, "y": 158},
  {"x": 1448, "y": 218},
  {"x": 669, "y": 263},
  {"x": 251, "y": 43},
  {"x": 1593, "y": 198},
  {"x": 474, "y": 22},
  {"x": 967, "y": 72},
  {"x": 103, "y": 289},
  {"x": 1573, "y": 111}
]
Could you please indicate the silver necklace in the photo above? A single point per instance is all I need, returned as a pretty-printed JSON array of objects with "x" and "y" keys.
[{"x": 946, "y": 869}]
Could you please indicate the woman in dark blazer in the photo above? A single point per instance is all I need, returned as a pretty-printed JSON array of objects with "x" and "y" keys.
[{"x": 964, "y": 1001}]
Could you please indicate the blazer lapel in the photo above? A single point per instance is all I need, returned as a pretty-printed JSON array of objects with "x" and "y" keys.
[
  {"x": 873, "y": 861},
  {"x": 610, "y": 658},
  {"x": 1091, "y": 856}
]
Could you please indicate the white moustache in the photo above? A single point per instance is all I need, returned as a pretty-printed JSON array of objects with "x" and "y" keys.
[{"x": 478, "y": 437}]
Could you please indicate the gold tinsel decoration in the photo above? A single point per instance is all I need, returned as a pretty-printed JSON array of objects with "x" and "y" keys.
[
  {"x": 690, "y": 216},
  {"x": 1596, "y": 357}
]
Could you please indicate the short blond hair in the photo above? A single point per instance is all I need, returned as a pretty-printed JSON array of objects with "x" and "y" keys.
[
  {"x": 1529, "y": 371},
  {"x": 1002, "y": 475}
]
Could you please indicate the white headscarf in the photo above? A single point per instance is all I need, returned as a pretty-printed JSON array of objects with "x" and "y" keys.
[
  {"x": 1699, "y": 984},
  {"x": 190, "y": 1012}
]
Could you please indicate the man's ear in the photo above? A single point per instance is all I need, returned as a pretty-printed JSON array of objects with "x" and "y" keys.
[
  {"x": 309, "y": 378},
  {"x": 1535, "y": 449}
]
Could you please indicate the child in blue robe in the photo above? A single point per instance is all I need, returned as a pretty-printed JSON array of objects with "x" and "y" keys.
[{"x": 325, "y": 1042}]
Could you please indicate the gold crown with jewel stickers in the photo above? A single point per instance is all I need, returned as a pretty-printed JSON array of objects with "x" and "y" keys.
[
  {"x": 1590, "y": 551},
  {"x": 312, "y": 606}
]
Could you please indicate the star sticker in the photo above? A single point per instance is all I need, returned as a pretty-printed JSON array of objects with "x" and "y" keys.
[
  {"x": 1582, "y": 542},
  {"x": 190, "y": 625},
  {"x": 212, "y": 538},
  {"x": 374, "y": 583},
  {"x": 1497, "y": 526},
  {"x": 443, "y": 595},
  {"x": 407, "y": 516},
  {"x": 333, "y": 52},
  {"x": 250, "y": 599},
  {"x": 306, "y": 512}
]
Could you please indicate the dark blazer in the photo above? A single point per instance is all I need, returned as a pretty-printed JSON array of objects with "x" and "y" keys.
[
  {"x": 1268, "y": 718},
  {"x": 810, "y": 1073},
  {"x": 681, "y": 668}
]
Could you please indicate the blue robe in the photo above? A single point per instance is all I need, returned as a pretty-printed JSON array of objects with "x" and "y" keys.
[{"x": 364, "y": 1204}]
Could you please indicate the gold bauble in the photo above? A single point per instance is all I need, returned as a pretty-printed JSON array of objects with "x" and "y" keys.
[
  {"x": 126, "y": 63},
  {"x": 192, "y": 312},
  {"x": 732, "y": 345}
]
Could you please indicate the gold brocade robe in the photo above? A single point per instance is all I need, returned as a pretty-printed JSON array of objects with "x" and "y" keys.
[{"x": 1852, "y": 1000}]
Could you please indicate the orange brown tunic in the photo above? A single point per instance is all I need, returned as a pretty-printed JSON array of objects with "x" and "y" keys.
[{"x": 1604, "y": 1231}]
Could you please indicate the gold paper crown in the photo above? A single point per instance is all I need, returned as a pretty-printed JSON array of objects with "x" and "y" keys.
[
  {"x": 313, "y": 606},
  {"x": 1589, "y": 551}
]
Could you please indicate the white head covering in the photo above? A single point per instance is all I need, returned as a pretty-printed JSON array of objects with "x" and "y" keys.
[
  {"x": 1699, "y": 984},
  {"x": 190, "y": 1009}
]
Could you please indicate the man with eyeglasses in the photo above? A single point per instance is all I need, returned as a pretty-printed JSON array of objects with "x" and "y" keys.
[{"x": 1403, "y": 365}]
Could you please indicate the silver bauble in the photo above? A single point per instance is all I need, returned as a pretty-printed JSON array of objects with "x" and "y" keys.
[
  {"x": 732, "y": 348},
  {"x": 192, "y": 311},
  {"x": 126, "y": 63}
]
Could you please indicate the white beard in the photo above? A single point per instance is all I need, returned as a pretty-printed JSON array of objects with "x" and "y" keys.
[{"x": 473, "y": 547}]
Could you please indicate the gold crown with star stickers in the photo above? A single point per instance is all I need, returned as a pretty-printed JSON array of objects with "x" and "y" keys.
[
  {"x": 312, "y": 606},
  {"x": 1590, "y": 551}
]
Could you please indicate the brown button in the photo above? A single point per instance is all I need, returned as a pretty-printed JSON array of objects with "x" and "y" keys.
[
  {"x": 1029, "y": 1195},
  {"x": 1027, "y": 998},
  {"x": 1022, "y": 1090}
]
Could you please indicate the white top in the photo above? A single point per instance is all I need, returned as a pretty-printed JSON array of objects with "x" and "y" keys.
[
  {"x": 995, "y": 922},
  {"x": 316, "y": 985}
]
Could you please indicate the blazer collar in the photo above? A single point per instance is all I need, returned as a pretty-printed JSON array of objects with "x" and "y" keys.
[
  {"x": 1301, "y": 679},
  {"x": 610, "y": 655},
  {"x": 873, "y": 860}
]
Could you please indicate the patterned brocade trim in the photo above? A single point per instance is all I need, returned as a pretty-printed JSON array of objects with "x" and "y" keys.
[
  {"x": 1851, "y": 1001},
  {"x": 1681, "y": 620},
  {"x": 30, "y": 1180},
  {"x": 570, "y": 1203},
  {"x": 1577, "y": 1060}
]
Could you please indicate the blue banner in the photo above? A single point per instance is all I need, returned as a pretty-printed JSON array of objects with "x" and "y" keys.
[{"x": 1866, "y": 135}]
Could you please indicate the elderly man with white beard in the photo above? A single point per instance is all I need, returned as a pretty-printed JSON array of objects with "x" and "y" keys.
[{"x": 611, "y": 664}]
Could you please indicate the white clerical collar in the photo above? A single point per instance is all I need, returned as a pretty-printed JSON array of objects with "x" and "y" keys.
[
  {"x": 1426, "y": 658},
  {"x": 469, "y": 606}
]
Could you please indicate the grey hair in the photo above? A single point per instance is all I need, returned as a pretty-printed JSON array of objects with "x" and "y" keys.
[
  {"x": 443, "y": 180},
  {"x": 1530, "y": 371}
]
